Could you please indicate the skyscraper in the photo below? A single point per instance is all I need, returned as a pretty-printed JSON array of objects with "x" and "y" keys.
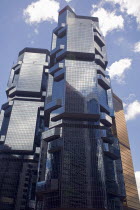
[
  {"x": 59, "y": 134},
  {"x": 83, "y": 165},
  {"x": 21, "y": 124},
  {"x": 120, "y": 131}
]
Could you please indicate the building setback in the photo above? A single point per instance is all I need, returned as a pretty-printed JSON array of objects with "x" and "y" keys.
[
  {"x": 21, "y": 124},
  {"x": 83, "y": 165},
  {"x": 61, "y": 146}
]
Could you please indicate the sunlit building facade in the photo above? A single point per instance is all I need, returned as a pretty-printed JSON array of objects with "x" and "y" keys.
[{"x": 120, "y": 131}]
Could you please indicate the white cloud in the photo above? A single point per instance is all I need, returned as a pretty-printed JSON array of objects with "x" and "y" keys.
[
  {"x": 108, "y": 21},
  {"x": 137, "y": 47},
  {"x": 32, "y": 42},
  {"x": 130, "y": 97},
  {"x": 128, "y": 100},
  {"x": 137, "y": 175},
  {"x": 124, "y": 105},
  {"x": 118, "y": 69},
  {"x": 40, "y": 11},
  {"x": 132, "y": 110},
  {"x": 36, "y": 31},
  {"x": 68, "y": 1},
  {"x": 131, "y": 7},
  {"x": 120, "y": 40}
]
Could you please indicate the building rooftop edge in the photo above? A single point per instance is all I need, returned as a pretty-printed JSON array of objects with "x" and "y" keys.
[
  {"x": 115, "y": 96},
  {"x": 34, "y": 50},
  {"x": 66, "y": 8},
  {"x": 78, "y": 16}
]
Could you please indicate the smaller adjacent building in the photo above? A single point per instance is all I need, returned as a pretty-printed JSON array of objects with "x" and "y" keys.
[
  {"x": 21, "y": 124},
  {"x": 120, "y": 131}
]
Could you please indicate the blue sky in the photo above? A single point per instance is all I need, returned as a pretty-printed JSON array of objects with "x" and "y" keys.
[{"x": 29, "y": 23}]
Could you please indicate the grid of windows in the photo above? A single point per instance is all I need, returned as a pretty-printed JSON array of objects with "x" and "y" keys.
[
  {"x": 132, "y": 200},
  {"x": 20, "y": 127},
  {"x": 80, "y": 165},
  {"x": 88, "y": 176}
]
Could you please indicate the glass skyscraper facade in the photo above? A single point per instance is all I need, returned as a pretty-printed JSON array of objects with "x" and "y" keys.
[
  {"x": 60, "y": 144},
  {"x": 83, "y": 165},
  {"x": 21, "y": 124}
]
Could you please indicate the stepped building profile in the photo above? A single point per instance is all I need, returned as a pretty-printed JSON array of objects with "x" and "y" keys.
[{"x": 63, "y": 136}]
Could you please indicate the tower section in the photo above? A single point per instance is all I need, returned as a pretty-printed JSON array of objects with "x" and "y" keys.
[
  {"x": 120, "y": 130},
  {"x": 83, "y": 165},
  {"x": 21, "y": 124}
]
